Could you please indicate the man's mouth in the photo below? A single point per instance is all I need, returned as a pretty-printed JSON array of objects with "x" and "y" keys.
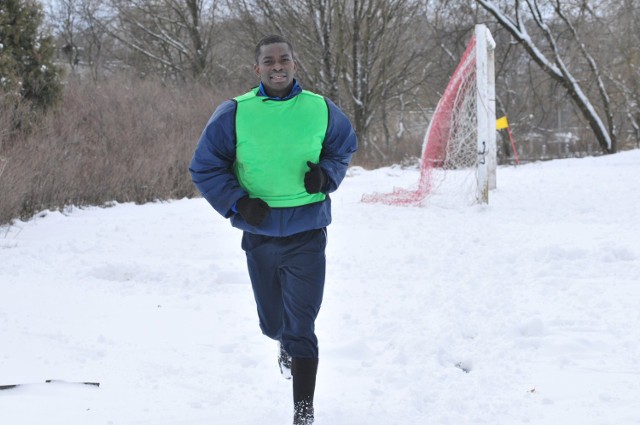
[{"x": 278, "y": 77}]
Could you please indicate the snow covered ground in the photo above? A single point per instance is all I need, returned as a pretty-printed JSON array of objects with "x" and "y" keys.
[{"x": 536, "y": 296}]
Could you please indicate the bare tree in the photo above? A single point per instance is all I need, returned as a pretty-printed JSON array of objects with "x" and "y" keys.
[
  {"x": 309, "y": 24},
  {"x": 96, "y": 40},
  {"x": 79, "y": 27},
  {"x": 65, "y": 16},
  {"x": 556, "y": 66},
  {"x": 360, "y": 53},
  {"x": 175, "y": 35},
  {"x": 619, "y": 21}
]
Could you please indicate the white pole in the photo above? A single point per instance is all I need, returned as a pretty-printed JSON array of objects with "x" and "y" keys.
[
  {"x": 491, "y": 110},
  {"x": 482, "y": 106}
]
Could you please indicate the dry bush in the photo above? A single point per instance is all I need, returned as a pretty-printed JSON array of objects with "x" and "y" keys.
[
  {"x": 404, "y": 151},
  {"x": 123, "y": 140}
]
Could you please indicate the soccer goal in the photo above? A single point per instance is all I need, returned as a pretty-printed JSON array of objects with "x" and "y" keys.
[{"x": 458, "y": 163}]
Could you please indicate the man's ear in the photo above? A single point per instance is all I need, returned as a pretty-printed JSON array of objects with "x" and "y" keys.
[{"x": 256, "y": 69}]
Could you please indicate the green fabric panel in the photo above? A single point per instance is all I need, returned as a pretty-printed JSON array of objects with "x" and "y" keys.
[{"x": 274, "y": 141}]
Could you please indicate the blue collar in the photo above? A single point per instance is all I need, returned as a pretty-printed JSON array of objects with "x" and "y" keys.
[{"x": 295, "y": 90}]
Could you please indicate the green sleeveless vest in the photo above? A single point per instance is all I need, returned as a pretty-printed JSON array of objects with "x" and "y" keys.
[{"x": 274, "y": 141}]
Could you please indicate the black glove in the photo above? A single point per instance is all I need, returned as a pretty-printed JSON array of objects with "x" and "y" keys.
[
  {"x": 253, "y": 210},
  {"x": 315, "y": 178}
]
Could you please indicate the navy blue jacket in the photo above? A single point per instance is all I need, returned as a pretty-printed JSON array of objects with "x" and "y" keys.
[{"x": 212, "y": 170}]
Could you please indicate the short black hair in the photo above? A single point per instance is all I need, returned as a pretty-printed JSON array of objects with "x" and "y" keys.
[{"x": 271, "y": 39}]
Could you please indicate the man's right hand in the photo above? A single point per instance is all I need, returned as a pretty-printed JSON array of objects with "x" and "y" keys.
[{"x": 253, "y": 210}]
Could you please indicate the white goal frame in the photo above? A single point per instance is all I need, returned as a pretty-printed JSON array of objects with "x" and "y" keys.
[
  {"x": 460, "y": 141},
  {"x": 486, "y": 112}
]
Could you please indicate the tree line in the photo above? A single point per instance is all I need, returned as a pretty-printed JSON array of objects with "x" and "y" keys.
[
  {"x": 384, "y": 61},
  {"x": 561, "y": 65}
]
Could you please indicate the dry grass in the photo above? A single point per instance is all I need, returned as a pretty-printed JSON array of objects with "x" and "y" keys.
[
  {"x": 118, "y": 141},
  {"x": 124, "y": 140}
]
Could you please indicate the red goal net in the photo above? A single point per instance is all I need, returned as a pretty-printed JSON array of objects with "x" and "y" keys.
[{"x": 450, "y": 143}]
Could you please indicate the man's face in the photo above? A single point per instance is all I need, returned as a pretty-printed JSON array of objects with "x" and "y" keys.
[{"x": 276, "y": 69}]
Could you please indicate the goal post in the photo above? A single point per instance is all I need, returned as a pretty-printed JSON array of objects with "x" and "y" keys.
[
  {"x": 486, "y": 112},
  {"x": 458, "y": 161}
]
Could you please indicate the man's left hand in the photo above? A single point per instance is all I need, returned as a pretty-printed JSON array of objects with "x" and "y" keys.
[{"x": 315, "y": 178}]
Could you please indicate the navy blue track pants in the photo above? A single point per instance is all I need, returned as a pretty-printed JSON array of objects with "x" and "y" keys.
[{"x": 287, "y": 275}]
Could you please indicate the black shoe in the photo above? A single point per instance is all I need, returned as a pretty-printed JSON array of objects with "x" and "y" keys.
[
  {"x": 284, "y": 361},
  {"x": 304, "y": 373}
]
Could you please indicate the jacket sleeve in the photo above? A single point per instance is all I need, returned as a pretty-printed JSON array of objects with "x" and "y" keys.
[
  {"x": 211, "y": 167},
  {"x": 339, "y": 145}
]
